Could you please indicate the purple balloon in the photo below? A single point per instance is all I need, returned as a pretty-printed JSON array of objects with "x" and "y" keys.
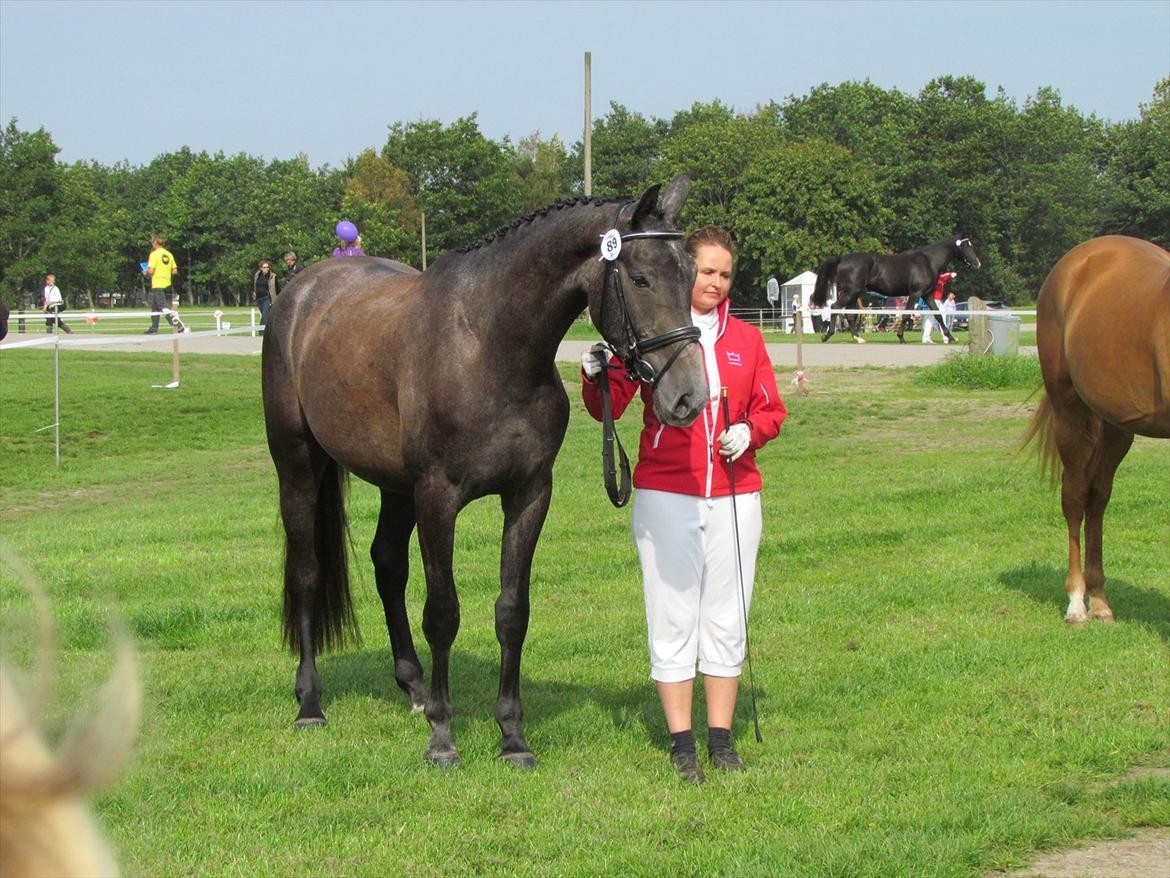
[{"x": 347, "y": 231}]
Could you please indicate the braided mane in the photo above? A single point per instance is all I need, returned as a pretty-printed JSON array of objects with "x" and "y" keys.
[{"x": 560, "y": 204}]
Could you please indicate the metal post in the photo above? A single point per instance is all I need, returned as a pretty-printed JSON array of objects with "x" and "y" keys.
[
  {"x": 57, "y": 389},
  {"x": 175, "y": 341}
]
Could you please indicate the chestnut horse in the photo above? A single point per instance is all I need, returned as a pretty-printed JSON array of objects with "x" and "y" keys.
[
  {"x": 442, "y": 387},
  {"x": 1103, "y": 336}
]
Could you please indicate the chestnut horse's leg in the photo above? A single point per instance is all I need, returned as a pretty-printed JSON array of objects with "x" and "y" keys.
[
  {"x": 1074, "y": 427},
  {"x": 524, "y": 514},
  {"x": 390, "y": 553},
  {"x": 437, "y": 502},
  {"x": 1112, "y": 447}
]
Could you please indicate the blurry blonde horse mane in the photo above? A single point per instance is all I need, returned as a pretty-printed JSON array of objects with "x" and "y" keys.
[{"x": 46, "y": 829}]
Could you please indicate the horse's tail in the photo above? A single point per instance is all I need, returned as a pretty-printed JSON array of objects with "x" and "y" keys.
[
  {"x": 1042, "y": 429},
  {"x": 331, "y": 607},
  {"x": 826, "y": 277}
]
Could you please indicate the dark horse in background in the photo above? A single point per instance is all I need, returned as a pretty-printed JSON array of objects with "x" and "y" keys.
[
  {"x": 442, "y": 387},
  {"x": 1103, "y": 337},
  {"x": 911, "y": 274}
]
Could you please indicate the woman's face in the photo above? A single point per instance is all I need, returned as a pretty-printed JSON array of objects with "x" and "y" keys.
[{"x": 713, "y": 282}]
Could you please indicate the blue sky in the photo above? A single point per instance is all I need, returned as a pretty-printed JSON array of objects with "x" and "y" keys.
[{"x": 129, "y": 81}]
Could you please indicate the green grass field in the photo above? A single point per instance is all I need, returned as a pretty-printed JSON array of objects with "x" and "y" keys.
[{"x": 924, "y": 708}]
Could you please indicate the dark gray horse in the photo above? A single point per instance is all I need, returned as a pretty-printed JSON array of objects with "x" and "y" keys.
[
  {"x": 911, "y": 274},
  {"x": 442, "y": 387}
]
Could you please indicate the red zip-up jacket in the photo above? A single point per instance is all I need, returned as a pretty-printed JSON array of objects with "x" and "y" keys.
[{"x": 684, "y": 460}]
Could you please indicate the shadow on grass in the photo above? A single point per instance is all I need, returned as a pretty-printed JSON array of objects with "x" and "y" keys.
[
  {"x": 474, "y": 682},
  {"x": 1044, "y": 583}
]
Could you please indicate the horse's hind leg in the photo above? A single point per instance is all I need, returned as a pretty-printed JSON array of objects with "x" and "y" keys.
[
  {"x": 390, "y": 553},
  {"x": 299, "y": 489},
  {"x": 437, "y": 503},
  {"x": 855, "y": 327},
  {"x": 1112, "y": 447},
  {"x": 1073, "y": 429},
  {"x": 524, "y": 514}
]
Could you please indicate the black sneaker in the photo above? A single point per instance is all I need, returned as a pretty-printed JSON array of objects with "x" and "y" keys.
[
  {"x": 726, "y": 759},
  {"x": 687, "y": 765},
  {"x": 151, "y": 332}
]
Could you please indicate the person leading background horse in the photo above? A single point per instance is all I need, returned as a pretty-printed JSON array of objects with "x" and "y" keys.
[{"x": 912, "y": 274}]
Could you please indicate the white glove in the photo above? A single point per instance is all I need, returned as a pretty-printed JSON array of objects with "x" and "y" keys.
[
  {"x": 734, "y": 441},
  {"x": 592, "y": 360}
]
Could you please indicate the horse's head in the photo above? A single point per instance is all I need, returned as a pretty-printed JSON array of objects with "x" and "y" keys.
[
  {"x": 643, "y": 308},
  {"x": 966, "y": 252}
]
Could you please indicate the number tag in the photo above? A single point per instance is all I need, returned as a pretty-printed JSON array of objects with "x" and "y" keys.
[{"x": 611, "y": 245}]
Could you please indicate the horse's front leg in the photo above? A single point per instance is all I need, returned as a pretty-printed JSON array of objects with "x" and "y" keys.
[
  {"x": 437, "y": 503},
  {"x": 524, "y": 514},
  {"x": 390, "y": 553}
]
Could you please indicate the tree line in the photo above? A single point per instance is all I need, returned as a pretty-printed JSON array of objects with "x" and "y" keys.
[{"x": 846, "y": 167}]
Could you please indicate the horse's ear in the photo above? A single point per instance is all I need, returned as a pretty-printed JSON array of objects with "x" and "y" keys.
[
  {"x": 646, "y": 206},
  {"x": 672, "y": 200}
]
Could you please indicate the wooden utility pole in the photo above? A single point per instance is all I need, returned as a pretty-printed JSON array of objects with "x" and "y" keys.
[
  {"x": 588, "y": 128},
  {"x": 423, "y": 215}
]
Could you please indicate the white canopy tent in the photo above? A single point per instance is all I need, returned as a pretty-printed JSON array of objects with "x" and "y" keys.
[{"x": 799, "y": 288}]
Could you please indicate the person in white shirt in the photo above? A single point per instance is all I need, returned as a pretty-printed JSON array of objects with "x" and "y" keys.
[{"x": 53, "y": 303}]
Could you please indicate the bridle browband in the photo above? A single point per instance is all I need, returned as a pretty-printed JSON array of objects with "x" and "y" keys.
[{"x": 633, "y": 357}]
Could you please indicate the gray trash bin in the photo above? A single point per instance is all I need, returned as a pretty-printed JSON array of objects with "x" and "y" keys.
[{"x": 1005, "y": 334}]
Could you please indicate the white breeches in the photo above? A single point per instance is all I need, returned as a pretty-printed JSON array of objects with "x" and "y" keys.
[{"x": 694, "y": 611}]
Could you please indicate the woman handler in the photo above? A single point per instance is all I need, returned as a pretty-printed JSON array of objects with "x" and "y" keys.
[{"x": 682, "y": 515}]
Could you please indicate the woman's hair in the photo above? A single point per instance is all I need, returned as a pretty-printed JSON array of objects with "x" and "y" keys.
[{"x": 709, "y": 235}]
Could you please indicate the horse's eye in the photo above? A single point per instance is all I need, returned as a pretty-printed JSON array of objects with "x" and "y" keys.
[{"x": 640, "y": 280}]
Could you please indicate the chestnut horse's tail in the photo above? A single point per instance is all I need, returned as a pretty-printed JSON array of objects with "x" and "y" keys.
[
  {"x": 330, "y": 612},
  {"x": 826, "y": 276},
  {"x": 1042, "y": 429}
]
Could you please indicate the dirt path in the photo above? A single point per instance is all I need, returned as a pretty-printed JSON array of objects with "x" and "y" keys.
[{"x": 1146, "y": 854}]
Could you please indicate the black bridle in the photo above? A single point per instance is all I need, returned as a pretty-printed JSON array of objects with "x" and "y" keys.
[
  {"x": 962, "y": 254},
  {"x": 633, "y": 351},
  {"x": 632, "y": 354}
]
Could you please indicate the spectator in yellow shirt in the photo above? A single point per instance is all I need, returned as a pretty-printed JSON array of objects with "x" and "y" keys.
[{"x": 160, "y": 268}]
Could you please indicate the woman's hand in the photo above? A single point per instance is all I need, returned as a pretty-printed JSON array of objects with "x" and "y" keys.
[{"x": 734, "y": 441}]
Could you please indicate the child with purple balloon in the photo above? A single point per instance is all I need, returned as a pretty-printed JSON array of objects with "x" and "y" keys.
[{"x": 347, "y": 233}]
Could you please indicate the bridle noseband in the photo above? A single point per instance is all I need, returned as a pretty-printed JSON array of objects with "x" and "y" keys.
[{"x": 634, "y": 351}]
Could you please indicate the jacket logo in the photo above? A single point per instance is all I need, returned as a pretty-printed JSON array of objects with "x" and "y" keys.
[
  {"x": 733, "y": 358},
  {"x": 166, "y": 260}
]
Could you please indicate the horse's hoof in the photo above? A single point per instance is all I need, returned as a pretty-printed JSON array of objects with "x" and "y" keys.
[
  {"x": 416, "y": 709},
  {"x": 1104, "y": 616},
  {"x": 309, "y": 722},
  {"x": 1077, "y": 619},
  {"x": 859, "y": 340},
  {"x": 520, "y": 760},
  {"x": 444, "y": 758}
]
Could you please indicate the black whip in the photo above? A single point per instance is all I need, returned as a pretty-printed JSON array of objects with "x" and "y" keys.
[{"x": 747, "y": 644}]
